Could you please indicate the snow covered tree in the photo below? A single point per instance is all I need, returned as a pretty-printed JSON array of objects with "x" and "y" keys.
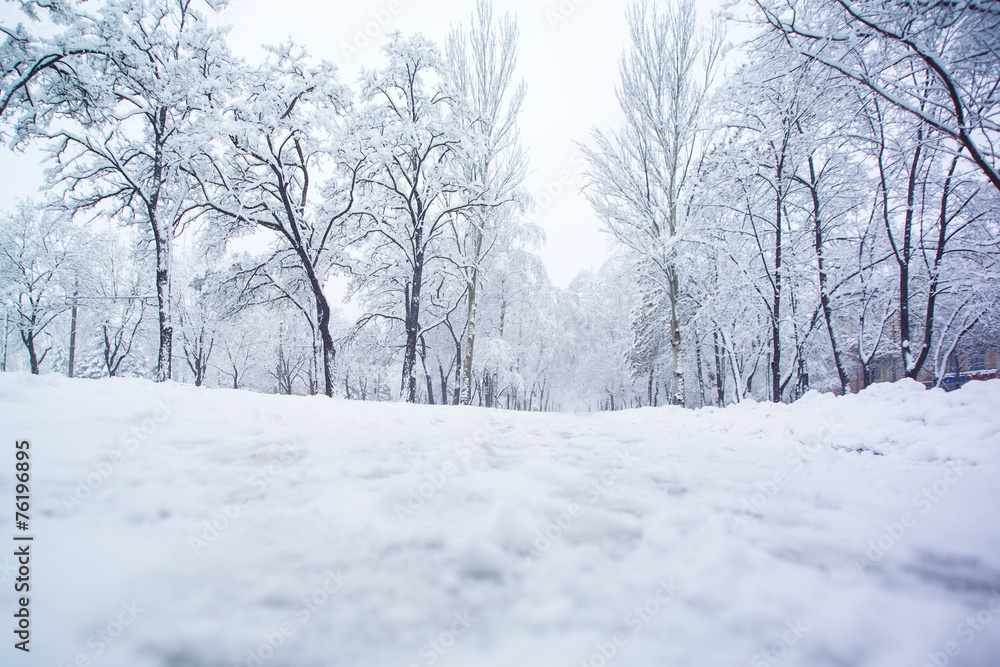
[
  {"x": 639, "y": 175},
  {"x": 38, "y": 70},
  {"x": 128, "y": 149},
  {"x": 36, "y": 253},
  {"x": 481, "y": 65},
  {"x": 937, "y": 62},
  {"x": 240, "y": 358},
  {"x": 927, "y": 208},
  {"x": 115, "y": 297},
  {"x": 281, "y": 134},
  {"x": 813, "y": 191},
  {"x": 596, "y": 365},
  {"x": 415, "y": 185},
  {"x": 197, "y": 318},
  {"x": 520, "y": 331},
  {"x": 368, "y": 363}
]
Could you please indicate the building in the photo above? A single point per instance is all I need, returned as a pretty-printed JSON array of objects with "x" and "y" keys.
[{"x": 965, "y": 365}]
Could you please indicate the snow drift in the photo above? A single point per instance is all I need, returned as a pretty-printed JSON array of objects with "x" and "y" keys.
[{"x": 177, "y": 526}]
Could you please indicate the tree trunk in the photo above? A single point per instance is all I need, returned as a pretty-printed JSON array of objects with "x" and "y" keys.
[
  {"x": 932, "y": 288},
  {"x": 323, "y": 311},
  {"x": 329, "y": 352},
  {"x": 109, "y": 352},
  {"x": 3, "y": 362},
  {"x": 776, "y": 303},
  {"x": 488, "y": 389},
  {"x": 72, "y": 337},
  {"x": 675, "y": 341},
  {"x": 163, "y": 238},
  {"x": 29, "y": 343},
  {"x": 444, "y": 383},
  {"x": 701, "y": 377},
  {"x": 720, "y": 380},
  {"x": 427, "y": 376},
  {"x": 903, "y": 257},
  {"x": 470, "y": 327},
  {"x": 457, "y": 391},
  {"x": 164, "y": 357},
  {"x": 408, "y": 385},
  {"x": 824, "y": 295}
]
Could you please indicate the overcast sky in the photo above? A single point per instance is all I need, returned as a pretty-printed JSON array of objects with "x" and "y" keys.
[
  {"x": 569, "y": 53},
  {"x": 569, "y": 60}
]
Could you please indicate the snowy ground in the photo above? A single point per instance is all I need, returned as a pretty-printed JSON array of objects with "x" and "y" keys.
[{"x": 858, "y": 531}]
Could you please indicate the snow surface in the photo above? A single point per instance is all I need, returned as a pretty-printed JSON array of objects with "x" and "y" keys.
[{"x": 855, "y": 531}]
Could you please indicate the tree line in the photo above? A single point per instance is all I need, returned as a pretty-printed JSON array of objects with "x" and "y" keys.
[
  {"x": 816, "y": 205},
  {"x": 827, "y": 208}
]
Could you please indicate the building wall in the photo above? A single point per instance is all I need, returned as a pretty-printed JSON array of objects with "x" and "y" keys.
[{"x": 971, "y": 365}]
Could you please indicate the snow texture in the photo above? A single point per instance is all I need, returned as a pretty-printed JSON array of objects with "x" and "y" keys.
[{"x": 834, "y": 531}]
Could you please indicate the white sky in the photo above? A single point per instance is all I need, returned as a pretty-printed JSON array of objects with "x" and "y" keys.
[
  {"x": 569, "y": 53},
  {"x": 570, "y": 69}
]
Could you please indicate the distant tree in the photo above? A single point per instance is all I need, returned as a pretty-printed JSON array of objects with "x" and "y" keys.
[
  {"x": 414, "y": 185},
  {"x": 240, "y": 348},
  {"x": 640, "y": 176},
  {"x": 759, "y": 174},
  {"x": 36, "y": 257},
  {"x": 116, "y": 293},
  {"x": 197, "y": 317},
  {"x": 481, "y": 65}
]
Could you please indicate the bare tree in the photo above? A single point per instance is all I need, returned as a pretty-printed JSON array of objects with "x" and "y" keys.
[
  {"x": 481, "y": 65},
  {"x": 278, "y": 136},
  {"x": 639, "y": 176},
  {"x": 415, "y": 185},
  {"x": 34, "y": 264},
  {"x": 118, "y": 293},
  {"x": 938, "y": 62},
  {"x": 129, "y": 147}
]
